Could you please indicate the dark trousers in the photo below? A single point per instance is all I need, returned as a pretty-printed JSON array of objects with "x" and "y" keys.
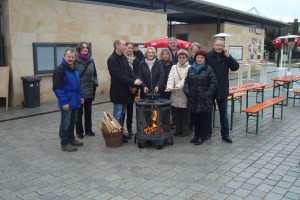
[
  {"x": 85, "y": 108},
  {"x": 222, "y": 105},
  {"x": 200, "y": 124},
  {"x": 67, "y": 125},
  {"x": 182, "y": 119},
  {"x": 129, "y": 115}
]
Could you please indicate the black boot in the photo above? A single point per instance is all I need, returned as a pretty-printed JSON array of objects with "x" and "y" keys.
[
  {"x": 194, "y": 139},
  {"x": 199, "y": 141}
]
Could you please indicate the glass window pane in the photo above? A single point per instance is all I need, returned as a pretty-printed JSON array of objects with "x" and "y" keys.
[{"x": 45, "y": 58}]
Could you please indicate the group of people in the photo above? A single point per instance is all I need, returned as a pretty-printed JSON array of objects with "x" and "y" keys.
[{"x": 193, "y": 84}]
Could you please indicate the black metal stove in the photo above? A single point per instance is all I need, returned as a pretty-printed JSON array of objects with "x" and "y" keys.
[{"x": 153, "y": 121}]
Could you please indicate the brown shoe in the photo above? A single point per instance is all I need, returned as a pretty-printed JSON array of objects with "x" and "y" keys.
[
  {"x": 176, "y": 133},
  {"x": 183, "y": 134}
]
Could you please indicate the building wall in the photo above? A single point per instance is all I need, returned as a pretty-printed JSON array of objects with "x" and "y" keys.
[
  {"x": 28, "y": 21},
  {"x": 240, "y": 36}
]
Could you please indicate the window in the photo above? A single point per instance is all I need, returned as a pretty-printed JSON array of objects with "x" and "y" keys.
[
  {"x": 47, "y": 56},
  {"x": 182, "y": 36}
]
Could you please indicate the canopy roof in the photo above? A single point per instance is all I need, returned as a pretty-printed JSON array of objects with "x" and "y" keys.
[{"x": 194, "y": 11}]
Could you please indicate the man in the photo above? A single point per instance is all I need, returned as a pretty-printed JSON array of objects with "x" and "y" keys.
[
  {"x": 137, "y": 52},
  {"x": 173, "y": 49},
  {"x": 123, "y": 81},
  {"x": 66, "y": 86},
  {"x": 221, "y": 61}
]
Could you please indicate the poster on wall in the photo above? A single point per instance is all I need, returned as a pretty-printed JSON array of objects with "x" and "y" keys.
[{"x": 236, "y": 52}]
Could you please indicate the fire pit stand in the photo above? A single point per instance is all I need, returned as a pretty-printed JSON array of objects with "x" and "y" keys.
[{"x": 153, "y": 122}]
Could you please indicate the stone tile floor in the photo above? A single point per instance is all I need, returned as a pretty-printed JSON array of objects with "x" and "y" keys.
[{"x": 263, "y": 166}]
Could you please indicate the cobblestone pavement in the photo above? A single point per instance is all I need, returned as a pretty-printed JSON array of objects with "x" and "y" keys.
[{"x": 263, "y": 166}]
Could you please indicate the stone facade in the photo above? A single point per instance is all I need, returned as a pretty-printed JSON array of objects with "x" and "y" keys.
[{"x": 29, "y": 21}]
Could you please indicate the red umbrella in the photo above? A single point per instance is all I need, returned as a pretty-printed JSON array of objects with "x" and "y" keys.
[
  {"x": 277, "y": 42},
  {"x": 163, "y": 43}
]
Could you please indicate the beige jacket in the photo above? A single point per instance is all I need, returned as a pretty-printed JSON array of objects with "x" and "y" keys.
[{"x": 178, "y": 98}]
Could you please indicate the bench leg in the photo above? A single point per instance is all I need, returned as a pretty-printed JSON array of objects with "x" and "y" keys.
[
  {"x": 257, "y": 121},
  {"x": 247, "y": 122},
  {"x": 241, "y": 101},
  {"x": 294, "y": 100},
  {"x": 262, "y": 100},
  {"x": 281, "y": 109},
  {"x": 232, "y": 112},
  {"x": 214, "y": 114}
]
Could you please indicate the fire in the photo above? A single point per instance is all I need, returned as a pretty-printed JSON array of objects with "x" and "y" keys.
[{"x": 153, "y": 128}]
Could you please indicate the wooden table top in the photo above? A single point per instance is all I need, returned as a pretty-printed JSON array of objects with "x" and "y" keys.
[
  {"x": 287, "y": 78},
  {"x": 245, "y": 87}
]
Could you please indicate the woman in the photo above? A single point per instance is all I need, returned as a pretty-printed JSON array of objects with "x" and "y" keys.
[
  {"x": 194, "y": 48},
  {"x": 151, "y": 72},
  {"x": 179, "y": 101},
  {"x": 166, "y": 60},
  {"x": 84, "y": 63},
  {"x": 199, "y": 86},
  {"x": 133, "y": 63}
]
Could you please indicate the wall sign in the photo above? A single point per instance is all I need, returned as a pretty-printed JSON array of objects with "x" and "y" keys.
[{"x": 236, "y": 52}]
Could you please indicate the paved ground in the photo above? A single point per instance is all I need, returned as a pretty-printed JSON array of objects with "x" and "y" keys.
[{"x": 263, "y": 166}]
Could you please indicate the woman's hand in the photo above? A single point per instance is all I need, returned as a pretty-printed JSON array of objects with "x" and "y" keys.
[
  {"x": 156, "y": 89},
  {"x": 168, "y": 90},
  {"x": 146, "y": 90},
  {"x": 175, "y": 89}
]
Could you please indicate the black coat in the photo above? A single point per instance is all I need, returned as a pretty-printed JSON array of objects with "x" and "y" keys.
[
  {"x": 122, "y": 78},
  {"x": 199, "y": 89},
  {"x": 191, "y": 60},
  {"x": 167, "y": 69},
  {"x": 153, "y": 78},
  {"x": 221, "y": 65}
]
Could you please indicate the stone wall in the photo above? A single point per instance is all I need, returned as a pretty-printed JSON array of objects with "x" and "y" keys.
[{"x": 29, "y": 21}]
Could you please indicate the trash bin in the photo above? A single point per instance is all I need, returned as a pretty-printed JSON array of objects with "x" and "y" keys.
[{"x": 31, "y": 87}]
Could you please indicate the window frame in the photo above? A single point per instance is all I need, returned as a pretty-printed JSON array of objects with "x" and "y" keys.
[{"x": 54, "y": 45}]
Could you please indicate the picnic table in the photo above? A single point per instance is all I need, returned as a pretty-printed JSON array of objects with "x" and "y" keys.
[
  {"x": 285, "y": 81},
  {"x": 242, "y": 88}
]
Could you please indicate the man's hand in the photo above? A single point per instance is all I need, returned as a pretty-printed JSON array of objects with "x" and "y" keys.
[
  {"x": 82, "y": 101},
  {"x": 138, "y": 81},
  {"x": 226, "y": 53},
  {"x": 175, "y": 89},
  {"x": 133, "y": 90},
  {"x": 156, "y": 89},
  {"x": 66, "y": 107},
  {"x": 146, "y": 90}
]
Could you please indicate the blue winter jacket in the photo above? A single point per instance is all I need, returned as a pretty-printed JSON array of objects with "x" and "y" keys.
[{"x": 66, "y": 86}]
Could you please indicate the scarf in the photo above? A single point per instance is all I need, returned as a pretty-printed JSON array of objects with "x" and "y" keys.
[
  {"x": 130, "y": 60},
  {"x": 165, "y": 62},
  {"x": 197, "y": 68},
  {"x": 150, "y": 63},
  {"x": 84, "y": 58}
]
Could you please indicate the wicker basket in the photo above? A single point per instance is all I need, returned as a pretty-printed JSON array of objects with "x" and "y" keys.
[{"x": 112, "y": 139}]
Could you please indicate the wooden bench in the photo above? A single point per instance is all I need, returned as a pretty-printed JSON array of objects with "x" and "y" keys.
[
  {"x": 296, "y": 95},
  {"x": 260, "y": 91},
  {"x": 4, "y": 83},
  {"x": 254, "y": 110}
]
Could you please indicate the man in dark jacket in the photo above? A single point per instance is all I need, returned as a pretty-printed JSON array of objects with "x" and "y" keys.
[
  {"x": 221, "y": 62},
  {"x": 123, "y": 80},
  {"x": 66, "y": 86},
  {"x": 137, "y": 53}
]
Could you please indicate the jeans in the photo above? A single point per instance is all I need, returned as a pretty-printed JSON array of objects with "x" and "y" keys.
[
  {"x": 182, "y": 119},
  {"x": 119, "y": 112},
  {"x": 67, "y": 124},
  {"x": 87, "y": 109},
  {"x": 222, "y": 105},
  {"x": 200, "y": 124}
]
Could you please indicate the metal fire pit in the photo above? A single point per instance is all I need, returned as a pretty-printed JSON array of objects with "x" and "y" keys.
[{"x": 153, "y": 122}]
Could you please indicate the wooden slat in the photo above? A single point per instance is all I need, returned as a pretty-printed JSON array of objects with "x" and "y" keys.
[
  {"x": 258, "y": 107},
  {"x": 268, "y": 86},
  {"x": 235, "y": 95},
  {"x": 296, "y": 91}
]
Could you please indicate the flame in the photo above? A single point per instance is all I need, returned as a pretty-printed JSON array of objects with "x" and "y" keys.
[{"x": 153, "y": 128}]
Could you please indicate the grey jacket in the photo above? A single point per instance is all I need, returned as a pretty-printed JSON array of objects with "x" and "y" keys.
[{"x": 88, "y": 80}]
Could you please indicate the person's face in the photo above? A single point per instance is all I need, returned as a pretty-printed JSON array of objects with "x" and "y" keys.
[
  {"x": 194, "y": 50},
  {"x": 136, "y": 48},
  {"x": 182, "y": 59},
  {"x": 69, "y": 57},
  {"x": 129, "y": 50},
  {"x": 200, "y": 59},
  {"x": 173, "y": 44},
  {"x": 84, "y": 49},
  {"x": 122, "y": 46},
  {"x": 165, "y": 56},
  {"x": 219, "y": 46},
  {"x": 150, "y": 54}
]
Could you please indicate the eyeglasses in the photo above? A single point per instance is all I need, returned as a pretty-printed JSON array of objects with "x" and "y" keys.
[
  {"x": 219, "y": 45},
  {"x": 181, "y": 57}
]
